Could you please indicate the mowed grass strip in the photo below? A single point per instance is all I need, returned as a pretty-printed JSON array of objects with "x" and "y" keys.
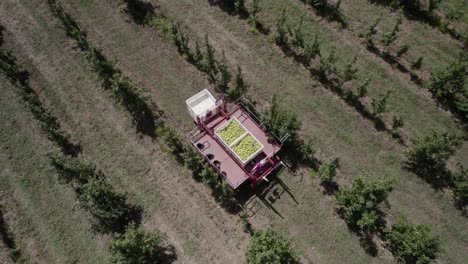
[
  {"x": 62, "y": 230},
  {"x": 345, "y": 134}
]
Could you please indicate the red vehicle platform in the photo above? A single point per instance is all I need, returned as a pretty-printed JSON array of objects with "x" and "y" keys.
[{"x": 213, "y": 115}]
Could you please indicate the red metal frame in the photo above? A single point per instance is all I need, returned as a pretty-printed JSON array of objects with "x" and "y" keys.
[{"x": 273, "y": 160}]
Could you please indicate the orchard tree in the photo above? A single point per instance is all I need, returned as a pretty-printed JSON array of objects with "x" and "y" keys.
[
  {"x": 460, "y": 187},
  {"x": 239, "y": 6},
  {"x": 193, "y": 160},
  {"x": 110, "y": 209},
  {"x": 225, "y": 195},
  {"x": 412, "y": 244},
  {"x": 297, "y": 35},
  {"x": 360, "y": 202},
  {"x": 280, "y": 36},
  {"x": 449, "y": 84},
  {"x": 428, "y": 157},
  {"x": 208, "y": 176},
  {"x": 198, "y": 55},
  {"x": 363, "y": 87},
  {"x": 210, "y": 60},
  {"x": 269, "y": 247},
  {"x": 281, "y": 121},
  {"x": 349, "y": 73},
  {"x": 416, "y": 65},
  {"x": 327, "y": 171},
  {"x": 72, "y": 169},
  {"x": 240, "y": 86},
  {"x": 397, "y": 122},
  {"x": 369, "y": 34},
  {"x": 402, "y": 50},
  {"x": 226, "y": 76},
  {"x": 328, "y": 65},
  {"x": 391, "y": 36},
  {"x": 136, "y": 246},
  {"x": 380, "y": 105},
  {"x": 253, "y": 20},
  {"x": 311, "y": 50}
]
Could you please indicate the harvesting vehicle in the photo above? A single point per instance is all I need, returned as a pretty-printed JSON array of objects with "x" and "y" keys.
[{"x": 232, "y": 139}]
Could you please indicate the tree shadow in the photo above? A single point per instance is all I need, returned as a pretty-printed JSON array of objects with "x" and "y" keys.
[
  {"x": 140, "y": 11},
  {"x": 366, "y": 238},
  {"x": 329, "y": 12},
  {"x": 5, "y": 234},
  {"x": 413, "y": 11},
  {"x": 229, "y": 7},
  {"x": 394, "y": 63},
  {"x": 266, "y": 192},
  {"x": 438, "y": 178},
  {"x": 330, "y": 187},
  {"x": 168, "y": 255},
  {"x": 2, "y": 28}
]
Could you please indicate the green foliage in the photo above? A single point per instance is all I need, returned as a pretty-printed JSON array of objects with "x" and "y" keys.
[
  {"x": 372, "y": 30},
  {"x": 311, "y": 50},
  {"x": 363, "y": 87},
  {"x": 124, "y": 91},
  {"x": 349, "y": 73},
  {"x": 136, "y": 246},
  {"x": 413, "y": 244},
  {"x": 193, "y": 160},
  {"x": 72, "y": 169},
  {"x": 327, "y": 171},
  {"x": 226, "y": 76},
  {"x": 391, "y": 36},
  {"x": 449, "y": 85},
  {"x": 225, "y": 195},
  {"x": 328, "y": 65},
  {"x": 110, "y": 210},
  {"x": 402, "y": 50},
  {"x": 360, "y": 202},
  {"x": 253, "y": 20},
  {"x": 244, "y": 219},
  {"x": 280, "y": 36},
  {"x": 173, "y": 142},
  {"x": 297, "y": 36},
  {"x": 105, "y": 68},
  {"x": 380, "y": 105},
  {"x": 210, "y": 60},
  {"x": 433, "y": 4},
  {"x": 239, "y": 6},
  {"x": 141, "y": 11},
  {"x": 329, "y": 11},
  {"x": 48, "y": 123},
  {"x": 280, "y": 121},
  {"x": 397, "y": 122},
  {"x": 240, "y": 87},
  {"x": 416, "y": 65},
  {"x": 269, "y": 247},
  {"x": 429, "y": 156},
  {"x": 198, "y": 55},
  {"x": 460, "y": 187},
  {"x": 209, "y": 177},
  {"x": 181, "y": 40},
  {"x": 129, "y": 95}
]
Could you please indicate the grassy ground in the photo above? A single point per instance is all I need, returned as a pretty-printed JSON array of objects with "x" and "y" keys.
[
  {"x": 414, "y": 104},
  {"x": 200, "y": 231},
  {"x": 171, "y": 200},
  {"x": 322, "y": 112},
  {"x": 38, "y": 209}
]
